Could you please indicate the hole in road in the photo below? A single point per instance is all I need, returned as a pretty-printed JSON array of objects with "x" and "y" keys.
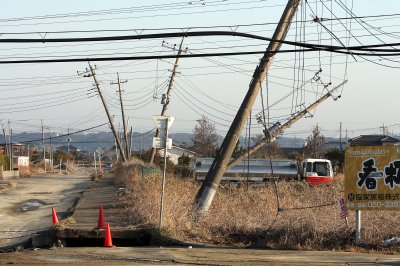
[{"x": 30, "y": 205}]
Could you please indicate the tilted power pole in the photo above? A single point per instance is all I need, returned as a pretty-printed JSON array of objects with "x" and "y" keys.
[
  {"x": 90, "y": 73},
  {"x": 210, "y": 185},
  {"x": 277, "y": 129},
  {"x": 123, "y": 113},
  {"x": 167, "y": 96}
]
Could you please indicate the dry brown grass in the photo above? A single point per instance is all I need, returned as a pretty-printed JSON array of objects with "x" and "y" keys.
[{"x": 248, "y": 216}]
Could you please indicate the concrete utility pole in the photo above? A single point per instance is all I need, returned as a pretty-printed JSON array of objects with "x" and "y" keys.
[
  {"x": 44, "y": 147},
  {"x": 210, "y": 185},
  {"x": 51, "y": 152},
  {"x": 130, "y": 141},
  {"x": 165, "y": 101},
  {"x": 278, "y": 128},
  {"x": 340, "y": 137},
  {"x": 5, "y": 142},
  {"x": 123, "y": 113},
  {"x": 385, "y": 131},
  {"x": 12, "y": 151},
  {"x": 68, "y": 143},
  {"x": 93, "y": 74}
]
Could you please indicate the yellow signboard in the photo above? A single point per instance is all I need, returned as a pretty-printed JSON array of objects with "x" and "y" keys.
[{"x": 372, "y": 178}]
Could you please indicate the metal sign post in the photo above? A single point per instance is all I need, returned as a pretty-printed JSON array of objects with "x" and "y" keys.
[
  {"x": 163, "y": 124},
  {"x": 358, "y": 226}
]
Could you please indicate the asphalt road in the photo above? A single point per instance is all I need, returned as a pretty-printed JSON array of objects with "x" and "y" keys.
[
  {"x": 190, "y": 256},
  {"x": 26, "y": 208}
]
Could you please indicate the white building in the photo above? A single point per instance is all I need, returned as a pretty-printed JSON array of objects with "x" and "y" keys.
[{"x": 176, "y": 152}]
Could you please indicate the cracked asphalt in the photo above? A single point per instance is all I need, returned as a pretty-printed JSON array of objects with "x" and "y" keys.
[{"x": 26, "y": 208}]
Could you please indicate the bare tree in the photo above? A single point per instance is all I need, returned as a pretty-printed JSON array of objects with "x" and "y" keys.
[
  {"x": 205, "y": 137},
  {"x": 314, "y": 146}
]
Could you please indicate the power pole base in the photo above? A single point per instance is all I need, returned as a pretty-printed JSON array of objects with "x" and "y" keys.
[{"x": 205, "y": 200}]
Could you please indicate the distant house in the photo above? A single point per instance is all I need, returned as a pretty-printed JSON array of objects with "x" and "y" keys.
[
  {"x": 18, "y": 148},
  {"x": 373, "y": 140},
  {"x": 176, "y": 152}
]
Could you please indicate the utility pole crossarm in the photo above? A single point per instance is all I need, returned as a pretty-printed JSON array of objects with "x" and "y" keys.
[
  {"x": 218, "y": 168},
  {"x": 277, "y": 130}
]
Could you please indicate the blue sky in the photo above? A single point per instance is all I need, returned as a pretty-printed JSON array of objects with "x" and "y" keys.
[{"x": 204, "y": 86}]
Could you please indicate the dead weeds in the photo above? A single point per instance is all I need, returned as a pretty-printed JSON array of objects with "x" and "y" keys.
[{"x": 295, "y": 216}]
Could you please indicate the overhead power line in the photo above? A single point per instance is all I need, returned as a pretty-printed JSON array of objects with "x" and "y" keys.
[
  {"x": 187, "y": 34},
  {"x": 131, "y": 58},
  {"x": 64, "y": 135}
]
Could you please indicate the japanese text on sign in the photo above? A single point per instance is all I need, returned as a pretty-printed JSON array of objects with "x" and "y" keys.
[{"x": 372, "y": 177}]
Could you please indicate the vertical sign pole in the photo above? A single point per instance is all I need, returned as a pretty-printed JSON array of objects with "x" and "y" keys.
[
  {"x": 164, "y": 172},
  {"x": 95, "y": 167},
  {"x": 358, "y": 226}
]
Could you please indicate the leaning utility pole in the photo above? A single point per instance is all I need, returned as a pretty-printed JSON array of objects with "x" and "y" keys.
[
  {"x": 93, "y": 74},
  {"x": 209, "y": 187},
  {"x": 123, "y": 113},
  {"x": 277, "y": 128},
  {"x": 165, "y": 99}
]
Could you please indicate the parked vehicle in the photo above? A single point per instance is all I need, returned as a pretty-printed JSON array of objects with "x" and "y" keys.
[{"x": 314, "y": 171}]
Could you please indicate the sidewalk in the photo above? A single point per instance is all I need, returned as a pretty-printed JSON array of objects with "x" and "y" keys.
[
  {"x": 102, "y": 193},
  {"x": 82, "y": 229}
]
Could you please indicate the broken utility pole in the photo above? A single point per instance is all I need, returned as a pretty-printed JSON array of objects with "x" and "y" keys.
[
  {"x": 277, "y": 128},
  {"x": 209, "y": 187},
  {"x": 123, "y": 113},
  {"x": 90, "y": 73},
  {"x": 165, "y": 100}
]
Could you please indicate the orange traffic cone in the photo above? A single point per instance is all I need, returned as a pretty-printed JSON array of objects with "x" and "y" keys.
[
  {"x": 107, "y": 238},
  {"x": 54, "y": 216},
  {"x": 100, "y": 223}
]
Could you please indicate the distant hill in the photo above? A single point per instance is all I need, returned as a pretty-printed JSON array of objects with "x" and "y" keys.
[{"x": 105, "y": 140}]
